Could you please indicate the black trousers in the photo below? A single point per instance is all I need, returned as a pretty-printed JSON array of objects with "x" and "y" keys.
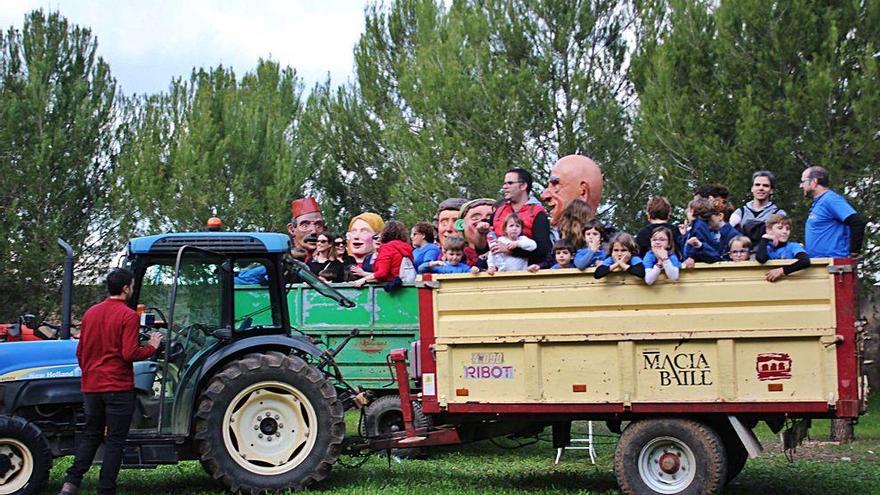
[{"x": 110, "y": 412}]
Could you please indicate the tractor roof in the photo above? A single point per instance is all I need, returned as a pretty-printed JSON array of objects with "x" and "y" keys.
[{"x": 222, "y": 242}]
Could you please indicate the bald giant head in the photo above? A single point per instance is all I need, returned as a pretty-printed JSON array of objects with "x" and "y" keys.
[{"x": 573, "y": 176}]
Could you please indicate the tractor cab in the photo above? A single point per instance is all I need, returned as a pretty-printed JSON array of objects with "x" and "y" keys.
[{"x": 185, "y": 288}]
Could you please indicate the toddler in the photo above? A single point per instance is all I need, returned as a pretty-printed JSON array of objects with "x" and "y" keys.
[
  {"x": 513, "y": 227},
  {"x": 622, "y": 257},
  {"x": 590, "y": 255},
  {"x": 739, "y": 249},
  {"x": 661, "y": 257},
  {"x": 563, "y": 250},
  {"x": 454, "y": 249},
  {"x": 775, "y": 245}
]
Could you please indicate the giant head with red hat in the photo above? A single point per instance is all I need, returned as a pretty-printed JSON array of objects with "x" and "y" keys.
[{"x": 306, "y": 222}]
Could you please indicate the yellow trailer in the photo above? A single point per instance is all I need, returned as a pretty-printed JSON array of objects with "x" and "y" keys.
[{"x": 689, "y": 366}]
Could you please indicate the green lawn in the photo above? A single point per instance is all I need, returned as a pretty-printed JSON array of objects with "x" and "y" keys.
[{"x": 818, "y": 468}]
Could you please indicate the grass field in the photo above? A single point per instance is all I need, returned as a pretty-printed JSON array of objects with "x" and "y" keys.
[{"x": 818, "y": 468}]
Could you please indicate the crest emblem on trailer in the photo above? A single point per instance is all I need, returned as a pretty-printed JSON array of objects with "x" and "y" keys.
[{"x": 773, "y": 366}]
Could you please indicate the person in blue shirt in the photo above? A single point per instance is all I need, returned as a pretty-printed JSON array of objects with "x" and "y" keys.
[
  {"x": 623, "y": 256},
  {"x": 563, "y": 249},
  {"x": 775, "y": 245},
  {"x": 422, "y": 238},
  {"x": 699, "y": 242},
  {"x": 834, "y": 229},
  {"x": 591, "y": 254},
  {"x": 722, "y": 231},
  {"x": 661, "y": 257},
  {"x": 453, "y": 262}
]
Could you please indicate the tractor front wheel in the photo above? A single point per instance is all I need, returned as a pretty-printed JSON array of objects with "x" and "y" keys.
[
  {"x": 269, "y": 422},
  {"x": 25, "y": 457}
]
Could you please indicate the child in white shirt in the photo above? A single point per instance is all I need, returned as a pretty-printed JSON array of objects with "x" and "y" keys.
[{"x": 513, "y": 227}]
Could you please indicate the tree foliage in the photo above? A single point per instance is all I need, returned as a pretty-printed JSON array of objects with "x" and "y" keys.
[
  {"x": 664, "y": 94},
  {"x": 57, "y": 135},
  {"x": 447, "y": 99},
  {"x": 213, "y": 145}
]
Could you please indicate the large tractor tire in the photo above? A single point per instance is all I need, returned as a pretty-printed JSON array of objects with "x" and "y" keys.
[
  {"x": 269, "y": 422},
  {"x": 384, "y": 416},
  {"x": 25, "y": 457},
  {"x": 670, "y": 456}
]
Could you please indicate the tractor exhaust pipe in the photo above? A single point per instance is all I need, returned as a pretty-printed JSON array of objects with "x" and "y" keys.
[{"x": 66, "y": 289}]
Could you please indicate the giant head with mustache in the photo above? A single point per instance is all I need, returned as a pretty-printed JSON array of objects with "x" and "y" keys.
[{"x": 573, "y": 176}]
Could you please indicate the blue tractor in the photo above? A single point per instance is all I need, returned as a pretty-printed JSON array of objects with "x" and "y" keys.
[{"x": 260, "y": 406}]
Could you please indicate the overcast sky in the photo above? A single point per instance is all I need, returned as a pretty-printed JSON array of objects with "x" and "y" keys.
[{"x": 147, "y": 43}]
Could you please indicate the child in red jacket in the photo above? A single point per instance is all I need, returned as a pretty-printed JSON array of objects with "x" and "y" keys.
[{"x": 395, "y": 247}]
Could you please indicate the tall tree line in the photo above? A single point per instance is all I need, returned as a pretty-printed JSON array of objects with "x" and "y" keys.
[{"x": 664, "y": 94}]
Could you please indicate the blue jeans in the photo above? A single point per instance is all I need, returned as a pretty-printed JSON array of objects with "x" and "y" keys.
[{"x": 110, "y": 412}]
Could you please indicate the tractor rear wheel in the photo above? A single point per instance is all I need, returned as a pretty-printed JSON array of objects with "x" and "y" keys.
[
  {"x": 25, "y": 457},
  {"x": 670, "y": 456},
  {"x": 269, "y": 422}
]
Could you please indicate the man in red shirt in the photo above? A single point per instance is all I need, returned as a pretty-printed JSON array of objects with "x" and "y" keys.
[{"x": 108, "y": 345}]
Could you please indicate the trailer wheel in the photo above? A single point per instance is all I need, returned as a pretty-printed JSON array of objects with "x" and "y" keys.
[
  {"x": 25, "y": 457},
  {"x": 269, "y": 422},
  {"x": 670, "y": 456},
  {"x": 384, "y": 416}
]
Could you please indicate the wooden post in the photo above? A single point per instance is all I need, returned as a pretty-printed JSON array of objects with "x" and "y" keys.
[{"x": 842, "y": 430}]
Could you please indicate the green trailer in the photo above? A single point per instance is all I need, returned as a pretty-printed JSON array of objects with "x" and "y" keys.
[{"x": 386, "y": 321}]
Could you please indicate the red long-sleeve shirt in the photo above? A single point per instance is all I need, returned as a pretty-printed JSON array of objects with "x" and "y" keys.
[{"x": 108, "y": 345}]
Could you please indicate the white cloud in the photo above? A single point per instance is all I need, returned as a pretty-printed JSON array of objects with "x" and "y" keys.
[{"x": 149, "y": 43}]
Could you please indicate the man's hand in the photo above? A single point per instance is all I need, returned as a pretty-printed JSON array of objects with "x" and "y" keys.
[
  {"x": 155, "y": 339},
  {"x": 774, "y": 274},
  {"x": 502, "y": 248}
]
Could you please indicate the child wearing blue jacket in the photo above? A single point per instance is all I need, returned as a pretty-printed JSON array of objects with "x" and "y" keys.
[
  {"x": 454, "y": 258},
  {"x": 591, "y": 254},
  {"x": 563, "y": 250},
  {"x": 661, "y": 257},
  {"x": 424, "y": 249},
  {"x": 699, "y": 242},
  {"x": 775, "y": 245},
  {"x": 622, "y": 257}
]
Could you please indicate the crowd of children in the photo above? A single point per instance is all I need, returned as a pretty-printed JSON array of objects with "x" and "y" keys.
[{"x": 660, "y": 248}]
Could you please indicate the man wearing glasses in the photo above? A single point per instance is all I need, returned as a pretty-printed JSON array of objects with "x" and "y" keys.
[
  {"x": 834, "y": 229},
  {"x": 306, "y": 223},
  {"x": 518, "y": 198}
]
